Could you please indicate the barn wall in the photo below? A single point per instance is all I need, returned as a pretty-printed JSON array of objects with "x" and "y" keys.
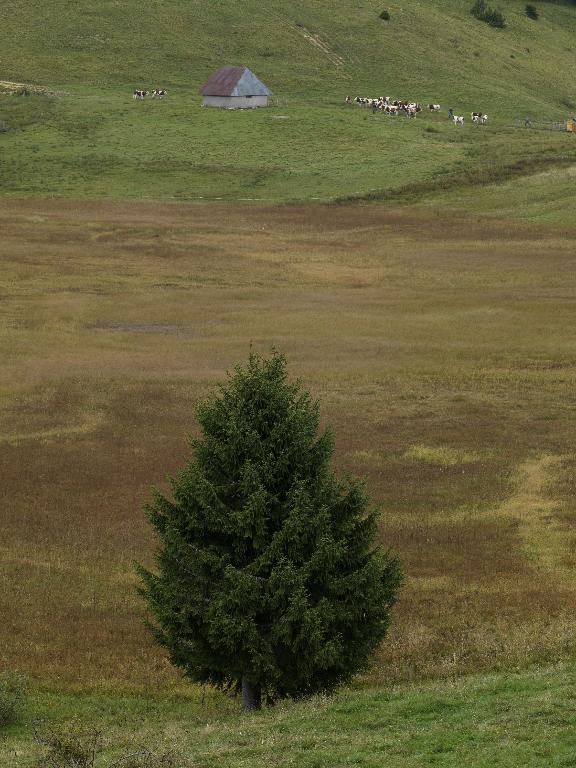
[{"x": 235, "y": 102}]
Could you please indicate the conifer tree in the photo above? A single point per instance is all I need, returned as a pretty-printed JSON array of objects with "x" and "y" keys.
[{"x": 267, "y": 581}]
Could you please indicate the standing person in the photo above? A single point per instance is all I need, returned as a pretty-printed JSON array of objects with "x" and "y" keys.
[
  {"x": 527, "y": 122},
  {"x": 450, "y": 113}
]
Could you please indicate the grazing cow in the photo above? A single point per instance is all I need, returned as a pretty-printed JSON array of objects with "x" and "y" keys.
[
  {"x": 477, "y": 115},
  {"x": 434, "y": 107},
  {"x": 139, "y": 94},
  {"x": 458, "y": 120},
  {"x": 159, "y": 94},
  {"x": 484, "y": 119}
]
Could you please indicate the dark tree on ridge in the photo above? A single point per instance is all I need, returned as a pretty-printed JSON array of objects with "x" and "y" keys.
[{"x": 267, "y": 581}]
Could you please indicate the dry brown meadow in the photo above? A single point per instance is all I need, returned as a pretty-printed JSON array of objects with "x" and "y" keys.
[{"x": 443, "y": 353}]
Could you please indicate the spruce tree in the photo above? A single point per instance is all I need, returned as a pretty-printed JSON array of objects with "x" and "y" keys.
[{"x": 267, "y": 581}]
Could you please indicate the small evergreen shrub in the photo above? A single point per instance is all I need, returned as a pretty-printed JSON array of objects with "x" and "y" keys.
[
  {"x": 496, "y": 19},
  {"x": 385, "y": 15},
  {"x": 12, "y": 697},
  {"x": 483, "y": 12},
  {"x": 532, "y": 12}
]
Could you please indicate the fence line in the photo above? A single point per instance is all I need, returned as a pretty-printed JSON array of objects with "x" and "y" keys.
[{"x": 543, "y": 125}]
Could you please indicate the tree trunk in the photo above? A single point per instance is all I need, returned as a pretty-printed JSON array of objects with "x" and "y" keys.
[{"x": 251, "y": 696}]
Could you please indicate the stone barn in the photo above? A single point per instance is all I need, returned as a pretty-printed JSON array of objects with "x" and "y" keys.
[{"x": 234, "y": 88}]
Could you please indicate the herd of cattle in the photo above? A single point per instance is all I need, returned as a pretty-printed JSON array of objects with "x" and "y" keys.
[
  {"x": 410, "y": 108},
  {"x": 157, "y": 94},
  {"x": 380, "y": 104}
]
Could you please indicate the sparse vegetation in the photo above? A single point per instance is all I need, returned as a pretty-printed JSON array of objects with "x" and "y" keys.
[
  {"x": 532, "y": 12},
  {"x": 79, "y": 744},
  {"x": 13, "y": 692},
  {"x": 71, "y": 744},
  {"x": 384, "y": 15}
]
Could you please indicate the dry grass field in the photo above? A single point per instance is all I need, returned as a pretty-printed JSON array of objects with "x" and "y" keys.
[{"x": 440, "y": 346}]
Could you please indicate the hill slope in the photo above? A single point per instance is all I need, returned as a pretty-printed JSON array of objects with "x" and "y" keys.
[
  {"x": 95, "y": 141},
  {"x": 434, "y": 49}
]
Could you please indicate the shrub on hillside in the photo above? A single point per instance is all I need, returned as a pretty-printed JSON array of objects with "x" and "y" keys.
[
  {"x": 69, "y": 745},
  {"x": 12, "y": 697},
  {"x": 483, "y": 12},
  {"x": 385, "y": 15},
  {"x": 532, "y": 12},
  {"x": 75, "y": 745}
]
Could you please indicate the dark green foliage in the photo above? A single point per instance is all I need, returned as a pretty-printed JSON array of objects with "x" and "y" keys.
[
  {"x": 266, "y": 572},
  {"x": 482, "y": 11},
  {"x": 532, "y": 11},
  {"x": 385, "y": 15}
]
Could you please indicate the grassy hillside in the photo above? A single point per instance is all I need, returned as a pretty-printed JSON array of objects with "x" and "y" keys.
[
  {"x": 434, "y": 50},
  {"x": 92, "y": 140},
  {"x": 522, "y": 720}
]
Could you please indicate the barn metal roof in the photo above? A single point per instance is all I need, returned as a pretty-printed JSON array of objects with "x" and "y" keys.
[{"x": 234, "y": 81}]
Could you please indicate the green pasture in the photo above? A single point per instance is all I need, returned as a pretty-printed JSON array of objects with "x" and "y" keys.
[
  {"x": 86, "y": 137},
  {"x": 522, "y": 720},
  {"x": 96, "y": 143}
]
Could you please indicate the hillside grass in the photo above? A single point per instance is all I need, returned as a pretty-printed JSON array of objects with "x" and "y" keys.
[
  {"x": 440, "y": 347},
  {"x": 90, "y": 139},
  {"x": 521, "y": 720}
]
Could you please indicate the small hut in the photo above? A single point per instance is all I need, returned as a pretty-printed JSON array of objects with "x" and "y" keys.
[{"x": 234, "y": 88}]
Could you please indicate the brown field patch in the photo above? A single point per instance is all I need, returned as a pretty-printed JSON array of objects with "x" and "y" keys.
[{"x": 441, "y": 351}]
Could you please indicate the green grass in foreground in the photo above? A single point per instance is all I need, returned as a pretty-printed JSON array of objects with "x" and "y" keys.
[{"x": 514, "y": 720}]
